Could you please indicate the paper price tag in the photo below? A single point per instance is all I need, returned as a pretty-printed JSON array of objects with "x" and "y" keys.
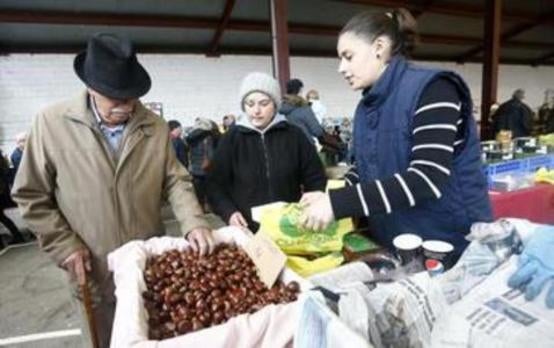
[{"x": 267, "y": 257}]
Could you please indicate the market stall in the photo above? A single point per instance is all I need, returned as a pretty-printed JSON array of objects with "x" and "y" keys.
[
  {"x": 534, "y": 203},
  {"x": 375, "y": 299},
  {"x": 520, "y": 178}
]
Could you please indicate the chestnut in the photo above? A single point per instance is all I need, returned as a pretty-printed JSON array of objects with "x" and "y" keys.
[{"x": 186, "y": 292}]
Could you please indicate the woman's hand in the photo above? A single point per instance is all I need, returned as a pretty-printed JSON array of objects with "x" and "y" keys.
[
  {"x": 317, "y": 211},
  {"x": 238, "y": 220}
]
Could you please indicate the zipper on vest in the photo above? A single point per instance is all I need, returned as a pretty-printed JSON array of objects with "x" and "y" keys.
[{"x": 266, "y": 157}]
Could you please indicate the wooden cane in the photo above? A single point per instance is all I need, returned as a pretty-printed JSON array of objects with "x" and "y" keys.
[{"x": 85, "y": 292}]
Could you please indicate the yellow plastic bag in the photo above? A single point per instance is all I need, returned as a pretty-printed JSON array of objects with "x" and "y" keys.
[
  {"x": 308, "y": 252},
  {"x": 280, "y": 223},
  {"x": 545, "y": 176},
  {"x": 305, "y": 267}
]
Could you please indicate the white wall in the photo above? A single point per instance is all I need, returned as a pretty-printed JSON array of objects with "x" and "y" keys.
[{"x": 191, "y": 86}]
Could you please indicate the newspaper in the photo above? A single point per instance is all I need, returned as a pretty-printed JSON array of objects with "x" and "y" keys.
[
  {"x": 475, "y": 265},
  {"x": 469, "y": 306},
  {"x": 494, "y": 315},
  {"x": 339, "y": 277},
  {"x": 396, "y": 314},
  {"x": 319, "y": 327},
  {"x": 405, "y": 311},
  {"x": 492, "y": 244}
]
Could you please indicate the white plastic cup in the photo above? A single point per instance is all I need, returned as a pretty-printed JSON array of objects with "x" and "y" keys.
[
  {"x": 438, "y": 250},
  {"x": 408, "y": 247}
]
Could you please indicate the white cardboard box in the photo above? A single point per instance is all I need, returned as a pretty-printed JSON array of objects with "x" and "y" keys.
[{"x": 273, "y": 326}]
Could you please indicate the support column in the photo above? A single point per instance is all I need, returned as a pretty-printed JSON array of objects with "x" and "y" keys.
[
  {"x": 493, "y": 19},
  {"x": 280, "y": 42}
]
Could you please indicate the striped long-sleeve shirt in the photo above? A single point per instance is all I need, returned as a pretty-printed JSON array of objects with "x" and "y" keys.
[{"x": 437, "y": 131}]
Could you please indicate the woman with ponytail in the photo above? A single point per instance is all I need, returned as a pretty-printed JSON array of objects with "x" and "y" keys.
[{"x": 416, "y": 148}]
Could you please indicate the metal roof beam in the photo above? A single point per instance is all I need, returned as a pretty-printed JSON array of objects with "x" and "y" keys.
[
  {"x": 225, "y": 17},
  {"x": 507, "y": 35},
  {"x": 88, "y": 18},
  {"x": 541, "y": 60},
  {"x": 157, "y": 21},
  {"x": 146, "y": 49},
  {"x": 457, "y": 10}
]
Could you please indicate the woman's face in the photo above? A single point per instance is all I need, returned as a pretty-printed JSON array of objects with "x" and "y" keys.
[
  {"x": 362, "y": 63},
  {"x": 260, "y": 109}
]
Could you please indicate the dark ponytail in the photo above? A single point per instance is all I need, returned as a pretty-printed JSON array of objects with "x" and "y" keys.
[{"x": 399, "y": 25}]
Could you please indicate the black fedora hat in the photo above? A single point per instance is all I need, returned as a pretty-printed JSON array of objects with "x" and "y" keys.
[{"x": 109, "y": 66}]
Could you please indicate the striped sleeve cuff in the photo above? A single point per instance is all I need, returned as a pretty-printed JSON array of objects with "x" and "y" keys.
[
  {"x": 360, "y": 200},
  {"x": 346, "y": 202},
  {"x": 351, "y": 177}
]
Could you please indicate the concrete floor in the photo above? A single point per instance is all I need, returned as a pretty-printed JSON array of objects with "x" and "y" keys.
[{"x": 34, "y": 298}]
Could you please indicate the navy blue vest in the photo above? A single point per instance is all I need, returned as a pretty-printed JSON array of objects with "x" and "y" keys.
[{"x": 382, "y": 147}]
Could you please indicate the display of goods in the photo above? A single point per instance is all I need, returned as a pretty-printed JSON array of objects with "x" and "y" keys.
[
  {"x": 186, "y": 292},
  {"x": 504, "y": 137}
]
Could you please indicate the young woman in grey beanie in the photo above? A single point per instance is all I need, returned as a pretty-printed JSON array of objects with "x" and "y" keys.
[{"x": 262, "y": 159}]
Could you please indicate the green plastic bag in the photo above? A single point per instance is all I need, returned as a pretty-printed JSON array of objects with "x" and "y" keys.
[{"x": 280, "y": 222}]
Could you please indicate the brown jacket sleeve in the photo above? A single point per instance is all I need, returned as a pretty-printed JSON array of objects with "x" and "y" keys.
[
  {"x": 180, "y": 194},
  {"x": 34, "y": 192}
]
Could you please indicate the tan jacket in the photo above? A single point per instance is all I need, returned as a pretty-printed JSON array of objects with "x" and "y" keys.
[{"x": 72, "y": 193}]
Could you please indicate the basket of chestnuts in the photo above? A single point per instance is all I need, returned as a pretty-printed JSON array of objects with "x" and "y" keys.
[{"x": 168, "y": 293}]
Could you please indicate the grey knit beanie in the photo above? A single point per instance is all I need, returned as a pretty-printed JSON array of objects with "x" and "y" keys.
[{"x": 260, "y": 82}]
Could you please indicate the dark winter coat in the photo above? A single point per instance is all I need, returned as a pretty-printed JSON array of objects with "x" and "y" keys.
[
  {"x": 181, "y": 151},
  {"x": 251, "y": 168},
  {"x": 513, "y": 115},
  {"x": 201, "y": 147},
  {"x": 299, "y": 113}
]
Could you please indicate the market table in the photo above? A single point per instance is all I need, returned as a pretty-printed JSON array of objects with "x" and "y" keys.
[{"x": 535, "y": 204}]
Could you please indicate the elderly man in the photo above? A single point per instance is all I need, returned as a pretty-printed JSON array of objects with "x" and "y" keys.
[
  {"x": 96, "y": 170},
  {"x": 514, "y": 115}
]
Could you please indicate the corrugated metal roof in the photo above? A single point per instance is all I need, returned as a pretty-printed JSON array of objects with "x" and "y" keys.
[{"x": 449, "y": 28}]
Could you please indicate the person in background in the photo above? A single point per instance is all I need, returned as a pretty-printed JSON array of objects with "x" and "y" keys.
[
  {"x": 492, "y": 115},
  {"x": 493, "y": 110},
  {"x": 298, "y": 112},
  {"x": 18, "y": 152},
  {"x": 546, "y": 117},
  {"x": 7, "y": 202},
  {"x": 216, "y": 134},
  {"x": 95, "y": 171},
  {"x": 201, "y": 142},
  {"x": 181, "y": 151},
  {"x": 262, "y": 159},
  {"x": 332, "y": 155},
  {"x": 318, "y": 108},
  {"x": 336, "y": 132},
  {"x": 417, "y": 152},
  {"x": 228, "y": 122},
  {"x": 346, "y": 137},
  {"x": 346, "y": 130},
  {"x": 514, "y": 115}
]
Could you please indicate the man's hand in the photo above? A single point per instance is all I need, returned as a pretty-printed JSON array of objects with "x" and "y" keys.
[
  {"x": 317, "y": 211},
  {"x": 201, "y": 240},
  {"x": 77, "y": 264},
  {"x": 238, "y": 220}
]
